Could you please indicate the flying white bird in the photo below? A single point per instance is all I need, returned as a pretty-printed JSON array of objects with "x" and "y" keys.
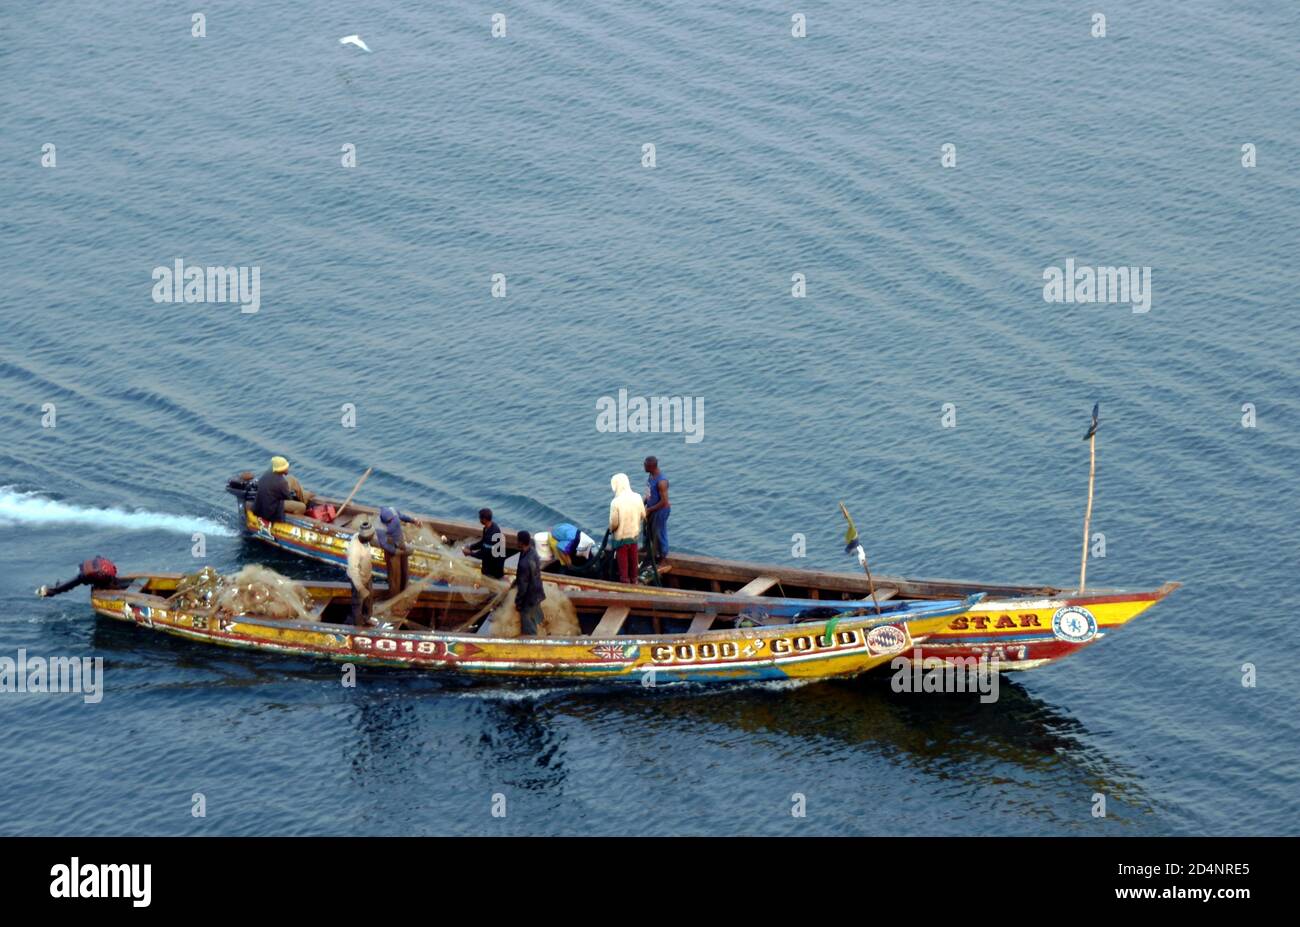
[{"x": 354, "y": 40}]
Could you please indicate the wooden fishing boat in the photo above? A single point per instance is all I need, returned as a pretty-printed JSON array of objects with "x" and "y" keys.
[
  {"x": 1016, "y": 626},
  {"x": 704, "y": 639}
]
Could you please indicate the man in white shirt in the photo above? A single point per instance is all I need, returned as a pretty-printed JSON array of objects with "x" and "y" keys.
[{"x": 627, "y": 516}]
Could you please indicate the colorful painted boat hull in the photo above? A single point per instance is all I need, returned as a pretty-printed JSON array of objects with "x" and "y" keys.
[{"x": 843, "y": 647}]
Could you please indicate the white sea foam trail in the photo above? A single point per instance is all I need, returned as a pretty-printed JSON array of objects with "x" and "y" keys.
[{"x": 29, "y": 508}]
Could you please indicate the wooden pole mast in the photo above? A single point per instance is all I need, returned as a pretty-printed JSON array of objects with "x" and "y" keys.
[
  {"x": 339, "y": 512},
  {"x": 1087, "y": 515}
]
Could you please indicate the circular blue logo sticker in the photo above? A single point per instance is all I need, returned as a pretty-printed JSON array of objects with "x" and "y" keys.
[{"x": 1074, "y": 624}]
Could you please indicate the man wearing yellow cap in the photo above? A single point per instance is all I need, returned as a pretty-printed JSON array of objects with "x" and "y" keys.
[{"x": 278, "y": 492}]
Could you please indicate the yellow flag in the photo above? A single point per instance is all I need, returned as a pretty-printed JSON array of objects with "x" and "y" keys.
[{"x": 851, "y": 535}]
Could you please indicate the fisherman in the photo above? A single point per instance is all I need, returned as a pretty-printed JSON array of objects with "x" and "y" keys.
[
  {"x": 528, "y": 586},
  {"x": 626, "y": 518},
  {"x": 396, "y": 554},
  {"x": 278, "y": 492},
  {"x": 657, "y": 508},
  {"x": 491, "y": 549},
  {"x": 301, "y": 500},
  {"x": 566, "y": 545},
  {"x": 359, "y": 572},
  {"x": 97, "y": 572}
]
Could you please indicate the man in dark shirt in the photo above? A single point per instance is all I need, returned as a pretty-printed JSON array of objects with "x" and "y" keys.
[
  {"x": 274, "y": 490},
  {"x": 528, "y": 586},
  {"x": 492, "y": 549},
  {"x": 396, "y": 554}
]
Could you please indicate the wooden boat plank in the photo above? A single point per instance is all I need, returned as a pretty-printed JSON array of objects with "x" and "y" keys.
[
  {"x": 701, "y": 623},
  {"x": 736, "y": 571},
  {"x": 611, "y": 622},
  {"x": 757, "y": 586},
  {"x": 679, "y": 602}
]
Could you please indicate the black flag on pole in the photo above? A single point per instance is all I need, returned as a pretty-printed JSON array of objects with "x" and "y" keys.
[{"x": 1095, "y": 421}]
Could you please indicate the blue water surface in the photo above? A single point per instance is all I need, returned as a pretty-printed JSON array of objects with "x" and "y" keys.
[{"x": 774, "y": 156}]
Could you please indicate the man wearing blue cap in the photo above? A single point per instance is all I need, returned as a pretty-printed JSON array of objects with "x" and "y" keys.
[{"x": 396, "y": 553}]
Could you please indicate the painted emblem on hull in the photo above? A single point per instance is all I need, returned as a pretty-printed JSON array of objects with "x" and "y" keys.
[
  {"x": 139, "y": 613},
  {"x": 1074, "y": 624},
  {"x": 886, "y": 639}
]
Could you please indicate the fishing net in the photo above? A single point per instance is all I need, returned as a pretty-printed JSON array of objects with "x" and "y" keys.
[
  {"x": 441, "y": 564},
  {"x": 254, "y": 590},
  {"x": 445, "y": 563},
  {"x": 559, "y": 617},
  {"x": 197, "y": 590},
  {"x": 440, "y": 561},
  {"x": 399, "y": 606}
]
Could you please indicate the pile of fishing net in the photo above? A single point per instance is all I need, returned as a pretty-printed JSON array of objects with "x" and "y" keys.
[
  {"x": 559, "y": 617},
  {"x": 254, "y": 590}
]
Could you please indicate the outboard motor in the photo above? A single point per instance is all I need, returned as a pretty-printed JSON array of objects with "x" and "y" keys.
[{"x": 244, "y": 488}]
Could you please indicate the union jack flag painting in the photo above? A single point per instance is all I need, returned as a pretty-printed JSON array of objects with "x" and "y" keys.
[{"x": 610, "y": 651}]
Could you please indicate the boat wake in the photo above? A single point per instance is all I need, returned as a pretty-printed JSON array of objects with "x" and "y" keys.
[
  {"x": 30, "y": 508},
  {"x": 522, "y": 693}
]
